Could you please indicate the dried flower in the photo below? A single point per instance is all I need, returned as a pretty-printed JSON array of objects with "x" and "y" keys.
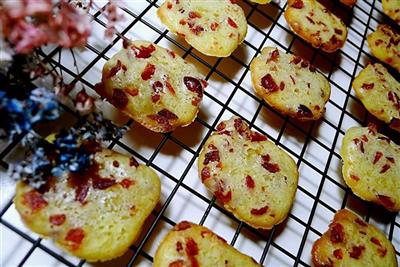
[{"x": 20, "y": 116}]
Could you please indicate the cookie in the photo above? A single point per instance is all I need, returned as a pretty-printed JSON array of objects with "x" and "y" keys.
[
  {"x": 380, "y": 93},
  {"x": 290, "y": 84},
  {"x": 316, "y": 24},
  {"x": 214, "y": 29},
  {"x": 189, "y": 244},
  {"x": 252, "y": 177},
  {"x": 350, "y": 241},
  {"x": 349, "y": 3},
  {"x": 153, "y": 86},
  {"x": 384, "y": 45},
  {"x": 392, "y": 9},
  {"x": 371, "y": 166},
  {"x": 95, "y": 215}
]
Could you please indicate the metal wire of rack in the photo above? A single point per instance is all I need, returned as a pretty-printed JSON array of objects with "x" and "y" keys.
[{"x": 315, "y": 145}]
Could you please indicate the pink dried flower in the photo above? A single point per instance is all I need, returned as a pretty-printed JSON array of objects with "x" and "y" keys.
[
  {"x": 112, "y": 15},
  {"x": 21, "y": 8},
  {"x": 83, "y": 102},
  {"x": 26, "y": 36}
]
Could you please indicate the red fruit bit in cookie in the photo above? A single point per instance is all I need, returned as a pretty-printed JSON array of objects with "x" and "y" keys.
[
  {"x": 361, "y": 222},
  {"x": 103, "y": 183},
  {"x": 179, "y": 246},
  {"x": 368, "y": 86},
  {"x": 193, "y": 85},
  {"x": 337, "y": 233},
  {"x": 375, "y": 241},
  {"x": 250, "y": 182},
  {"x": 386, "y": 201},
  {"x": 338, "y": 254},
  {"x": 378, "y": 156},
  {"x": 81, "y": 192},
  {"x": 177, "y": 263},
  {"x": 259, "y": 211},
  {"x": 221, "y": 126},
  {"x": 304, "y": 112},
  {"x": 211, "y": 157},
  {"x": 182, "y": 226},
  {"x": 233, "y": 1},
  {"x": 273, "y": 56},
  {"x": 214, "y": 26},
  {"x": 296, "y": 59},
  {"x": 385, "y": 168},
  {"x": 192, "y": 250},
  {"x": 133, "y": 162},
  {"x": 143, "y": 51},
  {"x": 364, "y": 138},
  {"x": 116, "y": 163},
  {"x": 148, "y": 71},
  {"x": 182, "y": 22},
  {"x": 356, "y": 251},
  {"x": 205, "y": 174},
  {"x": 126, "y": 183},
  {"x": 271, "y": 167},
  {"x": 269, "y": 84},
  {"x": 119, "y": 99},
  {"x": 372, "y": 128},
  {"x": 34, "y": 200},
  {"x": 132, "y": 91},
  {"x": 169, "y": 5},
  {"x": 390, "y": 159},
  {"x": 57, "y": 219},
  {"x": 114, "y": 70},
  {"x": 224, "y": 198},
  {"x": 194, "y": 15},
  {"x": 298, "y": 4},
  {"x": 338, "y": 31},
  {"x": 257, "y": 137},
  {"x": 232, "y": 23},
  {"x": 167, "y": 114},
  {"x": 354, "y": 177},
  {"x": 170, "y": 87},
  {"x": 75, "y": 236}
]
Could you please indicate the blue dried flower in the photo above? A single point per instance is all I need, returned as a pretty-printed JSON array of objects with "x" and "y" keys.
[{"x": 20, "y": 116}]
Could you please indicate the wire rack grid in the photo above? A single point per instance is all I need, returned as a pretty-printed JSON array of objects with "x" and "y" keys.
[{"x": 315, "y": 146}]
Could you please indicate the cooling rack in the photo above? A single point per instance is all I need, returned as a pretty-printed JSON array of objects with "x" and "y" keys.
[{"x": 315, "y": 146}]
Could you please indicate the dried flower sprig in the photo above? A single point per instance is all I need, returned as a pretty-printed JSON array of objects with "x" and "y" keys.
[
  {"x": 19, "y": 116},
  {"x": 70, "y": 150}
]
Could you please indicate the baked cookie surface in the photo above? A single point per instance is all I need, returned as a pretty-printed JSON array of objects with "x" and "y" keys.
[
  {"x": 253, "y": 178},
  {"x": 189, "y": 244},
  {"x": 263, "y": 2},
  {"x": 316, "y": 24},
  {"x": 152, "y": 85},
  {"x": 290, "y": 84},
  {"x": 371, "y": 166},
  {"x": 95, "y": 215},
  {"x": 214, "y": 28},
  {"x": 384, "y": 44},
  {"x": 380, "y": 93},
  {"x": 392, "y": 9},
  {"x": 350, "y": 241}
]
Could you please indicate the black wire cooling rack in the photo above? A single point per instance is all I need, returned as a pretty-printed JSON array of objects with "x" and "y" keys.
[{"x": 315, "y": 145}]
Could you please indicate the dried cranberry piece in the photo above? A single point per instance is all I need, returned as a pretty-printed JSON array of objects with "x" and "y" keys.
[
  {"x": 75, "y": 236},
  {"x": 194, "y": 15},
  {"x": 126, "y": 183},
  {"x": 192, "y": 250},
  {"x": 221, "y": 126},
  {"x": 356, "y": 251},
  {"x": 57, "y": 219},
  {"x": 257, "y": 137},
  {"x": 232, "y": 23},
  {"x": 114, "y": 70},
  {"x": 271, "y": 167},
  {"x": 182, "y": 226},
  {"x": 143, "y": 51},
  {"x": 34, "y": 200},
  {"x": 378, "y": 156},
  {"x": 385, "y": 168},
  {"x": 250, "y": 182},
  {"x": 269, "y": 84},
  {"x": 298, "y": 4},
  {"x": 133, "y": 162},
  {"x": 103, "y": 183},
  {"x": 205, "y": 174},
  {"x": 337, "y": 233},
  {"x": 259, "y": 211},
  {"x": 148, "y": 72},
  {"x": 211, "y": 157},
  {"x": 273, "y": 56},
  {"x": 193, "y": 85},
  {"x": 177, "y": 263},
  {"x": 361, "y": 222},
  {"x": 214, "y": 26},
  {"x": 304, "y": 112},
  {"x": 354, "y": 177},
  {"x": 179, "y": 246},
  {"x": 338, "y": 254},
  {"x": 375, "y": 241},
  {"x": 167, "y": 114},
  {"x": 368, "y": 86}
]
